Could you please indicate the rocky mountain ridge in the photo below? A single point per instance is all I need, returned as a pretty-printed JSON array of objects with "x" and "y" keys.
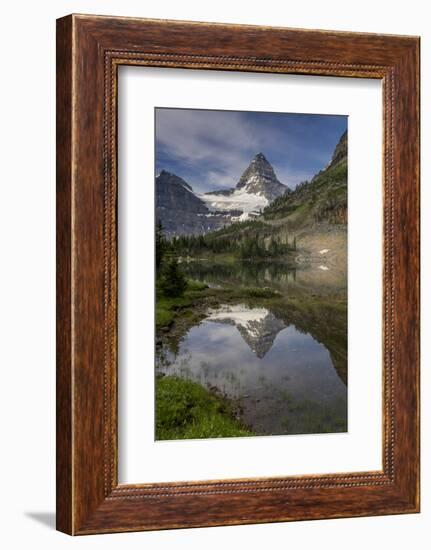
[
  {"x": 182, "y": 211},
  {"x": 257, "y": 195}
]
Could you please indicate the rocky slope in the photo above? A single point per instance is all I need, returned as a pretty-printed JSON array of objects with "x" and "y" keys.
[
  {"x": 321, "y": 200},
  {"x": 181, "y": 211},
  {"x": 340, "y": 152},
  {"x": 315, "y": 213}
]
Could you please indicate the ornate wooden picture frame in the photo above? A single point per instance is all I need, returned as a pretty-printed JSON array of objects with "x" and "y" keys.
[{"x": 89, "y": 51}]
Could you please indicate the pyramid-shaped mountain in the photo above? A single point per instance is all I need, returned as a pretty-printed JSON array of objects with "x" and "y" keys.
[
  {"x": 184, "y": 212},
  {"x": 257, "y": 188},
  {"x": 260, "y": 179}
]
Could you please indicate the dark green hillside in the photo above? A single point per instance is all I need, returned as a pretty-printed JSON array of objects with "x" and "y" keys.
[
  {"x": 248, "y": 239},
  {"x": 322, "y": 200}
]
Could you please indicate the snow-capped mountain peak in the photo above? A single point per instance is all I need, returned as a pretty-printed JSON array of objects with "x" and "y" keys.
[
  {"x": 257, "y": 187},
  {"x": 259, "y": 178},
  {"x": 183, "y": 211}
]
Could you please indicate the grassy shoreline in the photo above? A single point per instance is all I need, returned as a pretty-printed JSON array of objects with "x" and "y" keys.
[
  {"x": 187, "y": 410},
  {"x": 323, "y": 317},
  {"x": 197, "y": 293}
]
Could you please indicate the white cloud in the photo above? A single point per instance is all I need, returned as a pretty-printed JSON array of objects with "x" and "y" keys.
[
  {"x": 215, "y": 138},
  {"x": 224, "y": 142}
]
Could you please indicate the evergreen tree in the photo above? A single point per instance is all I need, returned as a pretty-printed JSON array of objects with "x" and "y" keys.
[
  {"x": 173, "y": 283},
  {"x": 160, "y": 244},
  {"x": 273, "y": 247}
]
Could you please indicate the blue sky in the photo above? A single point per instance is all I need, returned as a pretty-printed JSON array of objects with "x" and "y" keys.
[{"x": 211, "y": 149}]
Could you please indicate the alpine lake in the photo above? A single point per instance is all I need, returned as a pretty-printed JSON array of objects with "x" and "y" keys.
[{"x": 277, "y": 353}]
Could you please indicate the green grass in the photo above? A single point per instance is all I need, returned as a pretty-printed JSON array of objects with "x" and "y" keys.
[
  {"x": 299, "y": 206},
  {"x": 167, "y": 307},
  {"x": 196, "y": 285},
  {"x": 186, "y": 410},
  {"x": 164, "y": 316},
  {"x": 257, "y": 292}
]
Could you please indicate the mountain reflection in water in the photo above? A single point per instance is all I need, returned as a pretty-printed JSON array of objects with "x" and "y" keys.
[
  {"x": 257, "y": 326},
  {"x": 283, "y": 378}
]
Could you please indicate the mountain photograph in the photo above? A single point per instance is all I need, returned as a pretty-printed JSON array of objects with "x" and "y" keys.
[{"x": 251, "y": 213}]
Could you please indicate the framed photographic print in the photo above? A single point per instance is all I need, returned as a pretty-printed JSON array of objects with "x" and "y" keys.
[{"x": 237, "y": 274}]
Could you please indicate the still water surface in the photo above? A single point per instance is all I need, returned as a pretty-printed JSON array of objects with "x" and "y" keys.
[{"x": 283, "y": 376}]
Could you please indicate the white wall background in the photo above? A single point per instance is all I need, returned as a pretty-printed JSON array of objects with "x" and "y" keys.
[{"x": 27, "y": 297}]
